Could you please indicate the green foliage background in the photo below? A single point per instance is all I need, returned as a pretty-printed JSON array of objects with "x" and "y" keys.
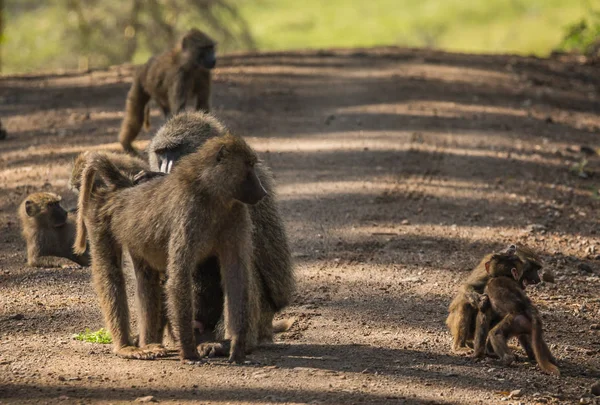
[{"x": 45, "y": 35}]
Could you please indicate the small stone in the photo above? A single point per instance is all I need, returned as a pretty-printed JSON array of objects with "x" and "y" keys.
[
  {"x": 515, "y": 394},
  {"x": 548, "y": 276},
  {"x": 595, "y": 326},
  {"x": 588, "y": 150},
  {"x": 596, "y": 389},
  {"x": 585, "y": 401},
  {"x": 148, "y": 398},
  {"x": 61, "y": 378},
  {"x": 17, "y": 317},
  {"x": 63, "y": 398},
  {"x": 585, "y": 267},
  {"x": 405, "y": 222}
]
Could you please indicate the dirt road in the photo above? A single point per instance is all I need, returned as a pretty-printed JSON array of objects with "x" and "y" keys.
[{"x": 396, "y": 170}]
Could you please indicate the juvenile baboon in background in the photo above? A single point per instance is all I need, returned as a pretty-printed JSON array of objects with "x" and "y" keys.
[
  {"x": 129, "y": 165},
  {"x": 463, "y": 309},
  {"x": 506, "y": 304},
  {"x": 170, "y": 79},
  {"x": 197, "y": 212},
  {"x": 272, "y": 258},
  {"x": 48, "y": 230}
]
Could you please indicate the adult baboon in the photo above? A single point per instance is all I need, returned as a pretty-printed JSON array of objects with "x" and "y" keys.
[
  {"x": 272, "y": 257},
  {"x": 48, "y": 229},
  {"x": 170, "y": 79},
  {"x": 506, "y": 309},
  {"x": 198, "y": 212},
  {"x": 463, "y": 309}
]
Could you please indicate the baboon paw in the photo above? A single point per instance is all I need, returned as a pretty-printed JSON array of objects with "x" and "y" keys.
[
  {"x": 156, "y": 349},
  {"x": 132, "y": 352},
  {"x": 213, "y": 350},
  {"x": 236, "y": 358},
  {"x": 192, "y": 356},
  {"x": 508, "y": 359}
]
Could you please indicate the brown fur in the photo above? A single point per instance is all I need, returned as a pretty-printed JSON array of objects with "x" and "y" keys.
[
  {"x": 129, "y": 165},
  {"x": 506, "y": 301},
  {"x": 48, "y": 230},
  {"x": 169, "y": 79},
  {"x": 200, "y": 212},
  {"x": 463, "y": 308},
  {"x": 272, "y": 257}
]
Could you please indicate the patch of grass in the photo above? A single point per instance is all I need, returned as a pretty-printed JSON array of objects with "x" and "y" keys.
[{"x": 100, "y": 336}]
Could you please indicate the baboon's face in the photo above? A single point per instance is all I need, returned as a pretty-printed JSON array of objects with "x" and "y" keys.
[
  {"x": 250, "y": 190},
  {"x": 530, "y": 269},
  {"x": 47, "y": 214},
  {"x": 206, "y": 57},
  {"x": 236, "y": 170}
]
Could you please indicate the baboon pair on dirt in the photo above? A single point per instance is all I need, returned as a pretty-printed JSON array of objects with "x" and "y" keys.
[
  {"x": 491, "y": 307},
  {"x": 170, "y": 79},
  {"x": 200, "y": 209}
]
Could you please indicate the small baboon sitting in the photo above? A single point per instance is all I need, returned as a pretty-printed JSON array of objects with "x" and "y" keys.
[
  {"x": 197, "y": 212},
  {"x": 170, "y": 79},
  {"x": 272, "y": 257},
  {"x": 128, "y": 165},
  {"x": 463, "y": 309},
  {"x": 48, "y": 230},
  {"x": 506, "y": 304}
]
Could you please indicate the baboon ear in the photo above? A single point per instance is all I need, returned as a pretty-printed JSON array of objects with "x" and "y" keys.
[
  {"x": 221, "y": 153},
  {"x": 515, "y": 273},
  {"x": 487, "y": 267},
  {"x": 30, "y": 208}
]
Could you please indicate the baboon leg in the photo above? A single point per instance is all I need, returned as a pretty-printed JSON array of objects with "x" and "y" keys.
[
  {"x": 465, "y": 318},
  {"x": 525, "y": 341},
  {"x": 265, "y": 326},
  {"x": 235, "y": 280},
  {"x": 109, "y": 283},
  {"x": 482, "y": 327},
  {"x": 178, "y": 93},
  {"x": 149, "y": 303},
  {"x": 498, "y": 337},
  {"x": 179, "y": 296},
  {"x": 165, "y": 110},
  {"x": 135, "y": 106},
  {"x": 203, "y": 99}
]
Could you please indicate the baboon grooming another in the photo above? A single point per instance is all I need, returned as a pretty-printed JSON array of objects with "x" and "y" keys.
[
  {"x": 170, "y": 79},
  {"x": 198, "y": 211},
  {"x": 463, "y": 309},
  {"x": 272, "y": 257},
  {"x": 48, "y": 230},
  {"x": 505, "y": 302}
]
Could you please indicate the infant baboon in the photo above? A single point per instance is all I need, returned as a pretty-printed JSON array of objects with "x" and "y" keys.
[
  {"x": 463, "y": 309},
  {"x": 506, "y": 304},
  {"x": 129, "y": 165},
  {"x": 272, "y": 257},
  {"x": 170, "y": 79},
  {"x": 199, "y": 211},
  {"x": 48, "y": 230}
]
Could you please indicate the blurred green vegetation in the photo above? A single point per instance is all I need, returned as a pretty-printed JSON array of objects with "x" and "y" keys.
[{"x": 50, "y": 35}]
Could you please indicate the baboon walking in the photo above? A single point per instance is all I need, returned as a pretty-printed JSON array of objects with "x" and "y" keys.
[
  {"x": 272, "y": 257},
  {"x": 199, "y": 211},
  {"x": 170, "y": 79}
]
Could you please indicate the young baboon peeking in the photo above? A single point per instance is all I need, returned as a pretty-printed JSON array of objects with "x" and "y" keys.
[
  {"x": 505, "y": 300},
  {"x": 48, "y": 230},
  {"x": 184, "y": 134},
  {"x": 170, "y": 79},
  {"x": 198, "y": 211},
  {"x": 463, "y": 309}
]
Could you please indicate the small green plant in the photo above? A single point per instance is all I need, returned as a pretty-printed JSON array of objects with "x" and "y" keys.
[
  {"x": 579, "y": 169},
  {"x": 583, "y": 35},
  {"x": 100, "y": 336}
]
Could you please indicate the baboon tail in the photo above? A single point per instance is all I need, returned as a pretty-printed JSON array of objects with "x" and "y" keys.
[
  {"x": 87, "y": 182},
  {"x": 283, "y": 325},
  {"x": 540, "y": 349},
  {"x": 147, "y": 117}
]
